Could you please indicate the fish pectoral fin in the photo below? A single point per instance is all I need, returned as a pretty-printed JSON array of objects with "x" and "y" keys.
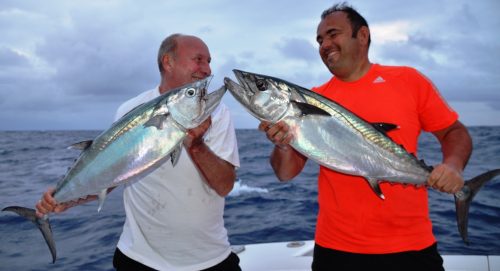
[
  {"x": 175, "y": 154},
  {"x": 157, "y": 121},
  {"x": 101, "y": 198},
  {"x": 309, "y": 109},
  {"x": 384, "y": 127},
  {"x": 83, "y": 145},
  {"x": 376, "y": 188}
]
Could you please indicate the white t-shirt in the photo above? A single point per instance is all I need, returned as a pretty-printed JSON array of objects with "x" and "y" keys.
[{"x": 174, "y": 220}]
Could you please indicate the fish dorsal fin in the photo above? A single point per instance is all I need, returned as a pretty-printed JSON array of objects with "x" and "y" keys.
[
  {"x": 423, "y": 164},
  {"x": 83, "y": 145},
  {"x": 384, "y": 127},
  {"x": 175, "y": 154},
  {"x": 309, "y": 109},
  {"x": 137, "y": 106}
]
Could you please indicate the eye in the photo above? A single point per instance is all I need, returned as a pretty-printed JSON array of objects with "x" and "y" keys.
[
  {"x": 190, "y": 92},
  {"x": 261, "y": 84}
]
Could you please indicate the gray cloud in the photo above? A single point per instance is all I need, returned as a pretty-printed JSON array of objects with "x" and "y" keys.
[
  {"x": 69, "y": 64},
  {"x": 297, "y": 48}
]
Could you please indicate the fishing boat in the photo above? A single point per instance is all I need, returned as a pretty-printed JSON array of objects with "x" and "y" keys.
[{"x": 297, "y": 256}]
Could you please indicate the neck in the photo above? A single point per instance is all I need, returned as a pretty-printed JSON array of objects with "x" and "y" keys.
[
  {"x": 356, "y": 73},
  {"x": 164, "y": 85}
]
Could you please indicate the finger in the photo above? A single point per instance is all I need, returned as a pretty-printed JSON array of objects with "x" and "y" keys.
[
  {"x": 277, "y": 136},
  {"x": 434, "y": 177},
  {"x": 205, "y": 125},
  {"x": 277, "y": 127},
  {"x": 46, "y": 207},
  {"x": 287, "y": 139},
  {"x": 263, "y": 126},
  {"x": 39, "y": 214},
  {"x": 41, "y": 208},
  {"x": 47, "y": 197}
]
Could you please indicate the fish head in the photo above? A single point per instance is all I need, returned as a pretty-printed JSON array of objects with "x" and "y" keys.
[
  {"x": 190, "y": 105},
  {"x": 265, "y": 97}
]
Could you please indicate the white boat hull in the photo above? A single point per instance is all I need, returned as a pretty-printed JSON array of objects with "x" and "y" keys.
[{"x": 297, "y": 256}]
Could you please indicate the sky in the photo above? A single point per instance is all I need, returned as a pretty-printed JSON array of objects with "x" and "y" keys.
[{"x": 68, "y": 65}]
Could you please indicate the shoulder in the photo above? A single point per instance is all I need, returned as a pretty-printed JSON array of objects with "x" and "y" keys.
[
  {"x": 396, "y": 70},
  {"x": 321, "y": 88},
  {"x": 130, "y": 104},
  {"x": 409, "y": 76}
]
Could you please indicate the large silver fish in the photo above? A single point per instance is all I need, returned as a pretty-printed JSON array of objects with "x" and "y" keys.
[
  {"x": 334, "y": 137},
  {"x": 134, "y": 146}
]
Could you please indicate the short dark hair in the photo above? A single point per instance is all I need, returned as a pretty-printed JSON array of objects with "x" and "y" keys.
[
  {"x": 356, "y": 20},
  {"x": 169, "y": 45}
]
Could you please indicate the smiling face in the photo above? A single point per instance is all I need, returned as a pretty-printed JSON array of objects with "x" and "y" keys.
[
  {"x": 344, "y": 55},
  {"x": 190, "y": 62}
]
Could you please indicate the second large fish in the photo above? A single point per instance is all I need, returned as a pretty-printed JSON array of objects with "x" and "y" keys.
[{"x": 334, "y": 137}]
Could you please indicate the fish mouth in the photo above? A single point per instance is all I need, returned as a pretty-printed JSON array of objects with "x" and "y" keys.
[
  {"x": 248, "y": 81},
  {"x": 211, "y": 100},
  {"x": 242, "y": 93},
  {"x": 257, "y": 93},
  {"x": 249, "y": 85}
]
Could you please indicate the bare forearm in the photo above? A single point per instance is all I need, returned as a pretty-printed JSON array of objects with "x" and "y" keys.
[
  {"x": 286, "y": 162},
  {"x": 218, "y": 173},
  {"x": 48, "y": 204},
  {"x": 456, "y": 146}
]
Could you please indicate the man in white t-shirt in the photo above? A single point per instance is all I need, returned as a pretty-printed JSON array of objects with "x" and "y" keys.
[{"x": 174, "y": 216}]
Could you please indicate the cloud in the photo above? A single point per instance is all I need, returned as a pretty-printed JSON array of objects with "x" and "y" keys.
[
  {"x": 296, "y": 48},
  {"x": 67, "y": 60}
]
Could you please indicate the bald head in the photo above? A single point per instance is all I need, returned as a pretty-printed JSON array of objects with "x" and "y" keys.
[{"x": 170, "y": 45}]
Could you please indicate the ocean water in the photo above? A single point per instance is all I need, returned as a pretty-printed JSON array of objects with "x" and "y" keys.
[{"x": 259, "y": 209}]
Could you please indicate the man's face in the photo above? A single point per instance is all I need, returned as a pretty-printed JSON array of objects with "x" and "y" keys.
[
  {"x": 337, "y": 48},
  {"x": 190, "y": 63}
]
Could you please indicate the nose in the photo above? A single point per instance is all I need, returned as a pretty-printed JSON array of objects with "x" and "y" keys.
[
  {"x": 325, "y": 45},
  {"x": 205, "y": 68}
]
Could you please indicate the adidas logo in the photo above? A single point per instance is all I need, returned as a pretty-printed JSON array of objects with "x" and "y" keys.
[{"x": 379, "y": 79}]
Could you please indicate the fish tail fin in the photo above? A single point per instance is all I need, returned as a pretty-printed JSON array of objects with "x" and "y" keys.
[
  {"x": 43, "y": 225},
  {"x": 464, "y": 197}
]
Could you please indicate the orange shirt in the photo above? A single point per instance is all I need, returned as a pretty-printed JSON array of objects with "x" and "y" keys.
[{"x": 351, "y": 217}]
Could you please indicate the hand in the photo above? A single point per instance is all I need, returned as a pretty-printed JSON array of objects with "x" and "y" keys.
[
  {"x": 278, "y": 133},
  {"x": 446, "y": 178},
  {"x": 47, "y": 204},
  {"x": 195, "y": 136}
]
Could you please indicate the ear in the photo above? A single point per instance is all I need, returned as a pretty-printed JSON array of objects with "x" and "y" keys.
[
  {"x": 167, "y": 62},
  {"x": 363, "y": 35}
]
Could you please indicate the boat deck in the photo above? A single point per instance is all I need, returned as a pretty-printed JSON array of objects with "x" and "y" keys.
[{"x": 297, "y": 256}]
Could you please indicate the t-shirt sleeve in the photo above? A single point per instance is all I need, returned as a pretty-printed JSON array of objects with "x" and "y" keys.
[
  {"x": 221, "y": 136},
  {"x": 434, "y": 112}
]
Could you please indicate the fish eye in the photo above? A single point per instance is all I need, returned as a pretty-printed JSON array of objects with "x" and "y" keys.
[
  {"x": 190, "y": 92},
  {"x": 261, "y": 84}
]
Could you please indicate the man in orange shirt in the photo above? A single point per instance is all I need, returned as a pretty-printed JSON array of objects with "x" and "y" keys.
[{"x": 355, "y": 229}]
